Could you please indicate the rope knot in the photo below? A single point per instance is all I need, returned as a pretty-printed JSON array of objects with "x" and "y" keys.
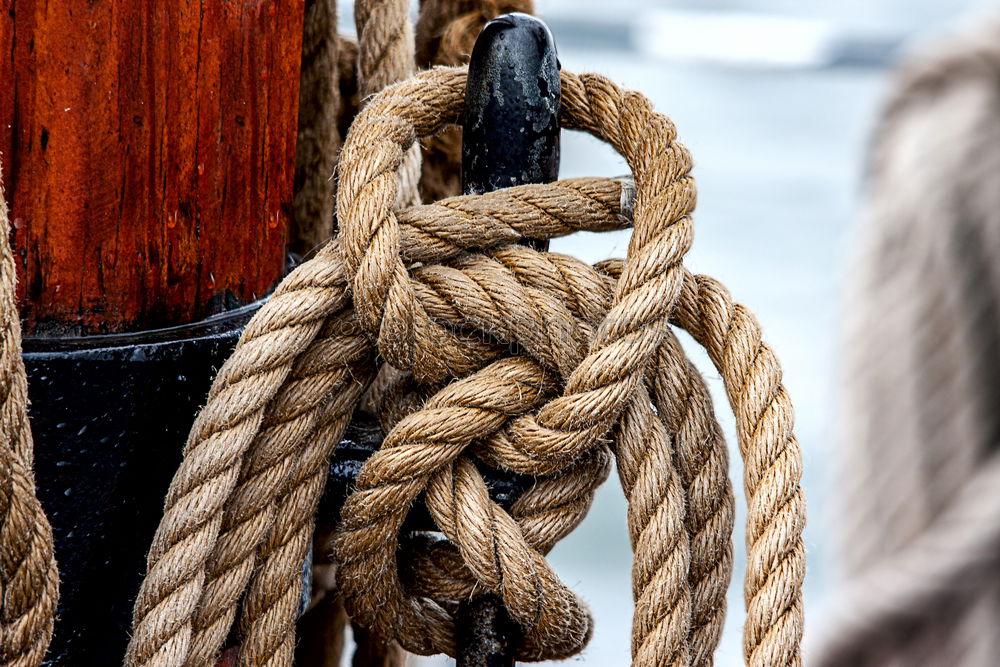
[
  {"x": 527, "y": 361},
  {"x": 544, "y": 411}
]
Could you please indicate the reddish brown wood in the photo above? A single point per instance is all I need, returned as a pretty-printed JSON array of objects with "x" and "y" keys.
[{"x": 149, "y": 151}]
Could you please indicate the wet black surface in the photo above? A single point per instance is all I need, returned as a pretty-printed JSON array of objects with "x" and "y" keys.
[
  {"x": 510, "y": 136},
  {"x": 110, "y": 415},
  {"x": 511, "y": 126}
]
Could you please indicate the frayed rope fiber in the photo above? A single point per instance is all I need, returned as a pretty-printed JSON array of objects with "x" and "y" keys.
[
  {"x": 442, "y": 293},
  {"x": 531, "y": 362}
]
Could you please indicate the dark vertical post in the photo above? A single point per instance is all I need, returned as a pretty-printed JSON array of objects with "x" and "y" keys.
[
  {"x": 510, "y": 133},
  {"x": 148, "y": 157},
  {"x": 510, "y": 136}
]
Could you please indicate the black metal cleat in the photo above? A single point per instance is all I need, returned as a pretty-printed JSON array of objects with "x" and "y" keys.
[
  {"x": 510, "y": 131},
  {"x": 510, "y": 136}
]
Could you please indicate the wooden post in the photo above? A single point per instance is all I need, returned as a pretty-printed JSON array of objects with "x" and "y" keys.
[{"x": 148, "y": 152}]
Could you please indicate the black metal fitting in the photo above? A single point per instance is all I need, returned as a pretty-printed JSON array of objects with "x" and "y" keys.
[
  {"x": 110, "y": 415},
  {"x": 510, "y": 136},
  {"x": 510, "y": 131}
]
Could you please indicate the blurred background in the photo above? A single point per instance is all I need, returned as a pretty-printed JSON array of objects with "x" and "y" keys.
[{"x": 776, "y": 100}]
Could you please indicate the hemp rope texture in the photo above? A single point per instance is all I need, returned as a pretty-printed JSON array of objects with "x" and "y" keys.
[
  {"x": 385, "y": 56},
  {"x": 306, "y": 357},
  {"x": 446, "y": 30},
  {"x": 29, "y": 580}
]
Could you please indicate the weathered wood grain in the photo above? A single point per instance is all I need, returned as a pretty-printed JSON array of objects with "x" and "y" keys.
[{"x": 149, "y": 152}]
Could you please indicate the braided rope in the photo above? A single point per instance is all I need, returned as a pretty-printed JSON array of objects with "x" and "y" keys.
[
  {"x": 586, "y": 347},
  {"x": 29, "y": 582}
]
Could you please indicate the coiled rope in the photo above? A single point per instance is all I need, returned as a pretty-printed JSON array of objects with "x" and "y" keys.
[{"x": 593, "y": 353}]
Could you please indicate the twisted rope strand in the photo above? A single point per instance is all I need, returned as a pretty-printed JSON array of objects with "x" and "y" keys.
[
  {"x": 662, "y": 616},
  {"x": 773, "y": 468},
  {"x": 684, "y": 404},
  {"x": 278, "y": 472},
  {"x": 586, "y": 347},
  {"x": 29, "y": 580},
  {"x": 207, "y": 478},
  {"x": 444, "y": 229},
  {"x": 272, "y": 600},
  {"x": 385, "y": 56}
]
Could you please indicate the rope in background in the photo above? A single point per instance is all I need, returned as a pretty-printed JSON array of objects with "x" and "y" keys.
[
  {"x": 921, "y": 455},
  {"x": 385, "y": 56},
  {"x": 329, "y": 95},
  {"x": 319, "y": 136}
]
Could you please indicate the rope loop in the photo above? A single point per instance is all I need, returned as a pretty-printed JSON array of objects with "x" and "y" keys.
[
  {"x": 500, "y": 356},
  {"x": 578, "y": 377}
]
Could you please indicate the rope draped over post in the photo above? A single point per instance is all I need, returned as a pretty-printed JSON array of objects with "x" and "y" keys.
[{"x": 593, "y": 354}]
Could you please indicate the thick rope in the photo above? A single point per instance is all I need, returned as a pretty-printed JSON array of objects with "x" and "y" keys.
[
  {"x": 584, "y": 364},
  {"x": 407, "y": 333},
  {"x": 29, "y": 581},
  {"x": 549, "y": 615},
  {"x": 310, "y": 296},
  {"x": 702, "y": 461},
  {"x": 445, "y": 33},
  {"x": 772, "y": 459},
  {"x": 385, "y": 56}
]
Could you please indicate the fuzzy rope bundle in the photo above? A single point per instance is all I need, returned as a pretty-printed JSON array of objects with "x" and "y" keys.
[
  {"x": 560, "y": 365},
  {"x": 29, "y": 581}
]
